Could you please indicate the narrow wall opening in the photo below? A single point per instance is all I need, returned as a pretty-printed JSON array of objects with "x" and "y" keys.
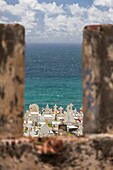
[{"x": 53, "y": 89}]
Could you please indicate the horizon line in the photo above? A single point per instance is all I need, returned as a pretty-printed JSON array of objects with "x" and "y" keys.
[{"x": 53, "y": 43}]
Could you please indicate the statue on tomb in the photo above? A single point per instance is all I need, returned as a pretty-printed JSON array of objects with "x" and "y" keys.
[{"x": 70, "y": 107}]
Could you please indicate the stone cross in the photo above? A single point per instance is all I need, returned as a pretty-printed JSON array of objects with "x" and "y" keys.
[
  {"x": 60, "y": 109},
  {"x": 11, "y": 80},
  {"x": 55, "y": 108},
  {"x": 98, "y": 78}
]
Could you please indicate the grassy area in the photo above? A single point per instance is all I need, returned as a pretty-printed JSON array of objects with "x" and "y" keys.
[
  {"x": 70, "y": 134},
  {"x": 50, "y": 125}
]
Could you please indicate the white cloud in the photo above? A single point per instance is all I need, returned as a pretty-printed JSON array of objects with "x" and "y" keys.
[
  {"x": 97, "y": 16},
  {"x": 76, "y": 9},
  {"x": 2, "y": 2},
  {"x": 52, "y": 22},
  {"x": 50, "y": 8},
  {"x": 108, "y": 3},
  {"x": 3, "y": 19},
  {"x": 2, "y": 5},
  {"x": 31, "y": 3}
]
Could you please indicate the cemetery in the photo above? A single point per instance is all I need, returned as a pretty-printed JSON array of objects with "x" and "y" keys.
[{"x": 52, "y": 122}]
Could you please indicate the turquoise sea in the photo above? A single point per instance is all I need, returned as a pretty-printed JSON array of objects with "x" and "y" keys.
[{"x": 53, "y": 75}]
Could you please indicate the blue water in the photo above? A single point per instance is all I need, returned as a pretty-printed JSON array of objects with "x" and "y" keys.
[{"x": 53, "y": 75}]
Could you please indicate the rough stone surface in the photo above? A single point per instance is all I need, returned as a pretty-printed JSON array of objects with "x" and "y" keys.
[
  {"x": 11, "y": 80},
  {"x": 89, "y": 153},
  {"x": 98, "y": 78}
]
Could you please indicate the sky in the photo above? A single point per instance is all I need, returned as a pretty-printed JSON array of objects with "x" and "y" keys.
[{"x": 57, "y": 21}]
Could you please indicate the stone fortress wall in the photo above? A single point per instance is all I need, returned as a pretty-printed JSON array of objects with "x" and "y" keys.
[{"x": 92, "y": 151}]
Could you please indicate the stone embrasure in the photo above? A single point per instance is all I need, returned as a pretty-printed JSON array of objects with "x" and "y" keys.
[{"x": 91, "y": 152}]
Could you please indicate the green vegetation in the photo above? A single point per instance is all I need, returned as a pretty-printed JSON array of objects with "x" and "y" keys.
[
  {"x": 39, "y": 143},
  {"x": 70, "y": 134},
  {"x": 50, "y": 125}
]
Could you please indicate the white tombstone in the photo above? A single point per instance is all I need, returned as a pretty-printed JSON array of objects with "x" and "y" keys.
[
  {"x": 34, "y": 116},
  {"x": 44, "y": 130},
  {"x": 42, "y": 118},
  {"x": 49, "y": 118},
  {"x": 69, "y": 118}
]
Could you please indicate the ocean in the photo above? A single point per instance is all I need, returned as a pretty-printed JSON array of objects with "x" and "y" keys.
[{"x": 53, "y": 75}]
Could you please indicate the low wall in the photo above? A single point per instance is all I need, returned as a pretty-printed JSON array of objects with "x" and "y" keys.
[{"x": 91, "y": 152}]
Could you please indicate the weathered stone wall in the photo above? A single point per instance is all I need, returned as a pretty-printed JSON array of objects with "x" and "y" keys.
[
  {"x": 11, "y": 80},
  {"x": 94, "y": 152},
  {"x": 98, "y": 78},
  {"x": 91, "y": 152}
]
